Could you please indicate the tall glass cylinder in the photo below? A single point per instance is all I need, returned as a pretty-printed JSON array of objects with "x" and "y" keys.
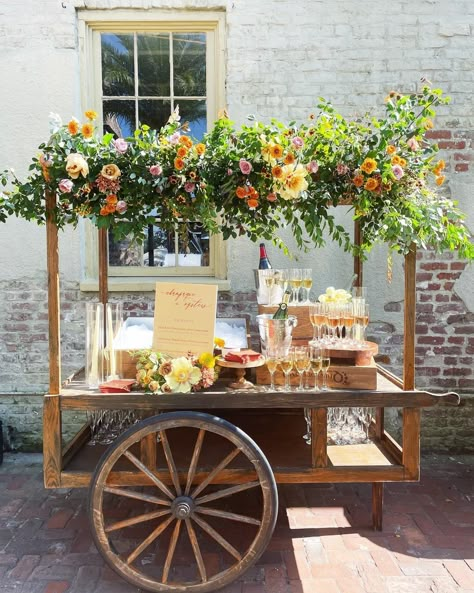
[
  {"x": 94, "y": 344},
  {"x": 113, "y": 355}
]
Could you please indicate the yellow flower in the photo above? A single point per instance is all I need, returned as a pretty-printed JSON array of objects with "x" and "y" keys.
[
  {"x": 219, "y": 342},
  {"x": 110, "y": 171},
  {"x": 289, "y": 159},
  {"x": 439, "y": 167},
  {"x": 440, "y": 179},
  {"x": 179, "y": 163},
  {"x": 371, "y": 184},
  {"x": 87, "y": 130},
  {"x": 369, "y": 166},
  {"x": 275, "y": 151},
  {"x": 200, "y": 148},
  {"x": 76, "y": 165},
  {"x": 294, "y": 181},
  {"x": 183, "y": 375},
  {"x": 396, "y": 160},
  {"x": 391, "y": 149},
  {"x": 91, "y": 114},
  {"x": 277, "y": 171},
  {"x": 428, "y": 125},
  {"x": 402, "y": 162},
  {"x": 73, "y": 127},
  {"x": 207, "y": 360}
]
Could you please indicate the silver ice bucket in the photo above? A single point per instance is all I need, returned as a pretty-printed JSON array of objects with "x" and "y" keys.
[{"x": 275, "y": 334}]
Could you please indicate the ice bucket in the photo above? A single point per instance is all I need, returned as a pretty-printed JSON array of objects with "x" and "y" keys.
[{"x": 275, "y": 334}]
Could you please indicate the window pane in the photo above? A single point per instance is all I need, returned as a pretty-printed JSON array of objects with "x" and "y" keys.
[
  {"x": 124, "y": 252},
  {"x": 189, "y": 64},
  {"x": 117, "y": 65},
  {"x": 195, "y": 113},
  {"x": 193, "y": 244},
  {"x": 119, "y": 117},
  {"x": 159, "y": 248},
  {"x": 153, "y": 65},
  {"x": 154, "y": 112}
]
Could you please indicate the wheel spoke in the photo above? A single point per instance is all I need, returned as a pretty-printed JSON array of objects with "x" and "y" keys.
[
  {"x": 135, "y": 520},
  {"x": 219, "y": 539},
  {"x": 170, "y": 461},
  {"x": 171, "y": 549},
  {"x": 194, "y": 461},
  {"x": 226, "y": 515},
  {"x": 150, "y": 539},
  {"x": 226, "y": 492},
  {"x": 224, "y": 463},
  {"x": 137, "y": 495},
  {"x": 150, "y": 474},
  {"x": 196, "y": 550}
]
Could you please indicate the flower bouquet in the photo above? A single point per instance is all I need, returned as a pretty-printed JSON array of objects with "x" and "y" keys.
[{"x": 158, "y": 373}]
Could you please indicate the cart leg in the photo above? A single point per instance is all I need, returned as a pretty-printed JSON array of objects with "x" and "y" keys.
[{"x": 377, "y": 505}]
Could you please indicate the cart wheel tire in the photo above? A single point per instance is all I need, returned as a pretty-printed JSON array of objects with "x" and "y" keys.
[{"x": 180, "y": 503}]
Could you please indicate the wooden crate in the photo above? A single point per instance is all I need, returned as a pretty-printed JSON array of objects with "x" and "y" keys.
[
  {"x": 126, "y": 365},
  {"x": 339, "y": 376}
]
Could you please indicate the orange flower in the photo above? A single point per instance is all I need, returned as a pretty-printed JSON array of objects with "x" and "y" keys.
[
  {"x": 289, "y": 159},
  {"x": 241, "y": 192},
  {"x": 104, "y": 211},
  {"x": 276, "y": 151},
  {"x": 179, "y": 164},
  {"x": 402, "y": 162},
  {"x": 391, "y": 149},
  {"x": 371, "y": 184},
  {"x": 110, "y": 208},
  {"x": 396, "y": 160},
  {"x": 252, "y": 203},
  {"x": 87, "y": 130},
  {"x": 358, "y": 180},
  {"x": 182, "y": 151},
  {"x": 111, "y": 199},
  {"x": 91, "y": 114},
  {"x": 369, "y": 166},
  {"x": 73, "y": 127},
  {"x": 440, "y": 179},
  {"x": 439, "y": 167},
  {"x": 186, "y": 140},
  {"x": 277, "y": 171},
  {"x": 200, "y": 148},
  {"x": 428, "y": 125}
]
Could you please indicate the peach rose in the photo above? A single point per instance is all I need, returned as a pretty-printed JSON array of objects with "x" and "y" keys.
[
  {"x": 76, "y": 165},
  {"x": 110, "y": 171}
]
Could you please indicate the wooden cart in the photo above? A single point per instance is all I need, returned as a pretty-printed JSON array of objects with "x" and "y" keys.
[{"x": 176, "y": 482}]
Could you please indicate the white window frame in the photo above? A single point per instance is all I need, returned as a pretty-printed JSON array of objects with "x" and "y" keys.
[{"x": 91, "y": 23}]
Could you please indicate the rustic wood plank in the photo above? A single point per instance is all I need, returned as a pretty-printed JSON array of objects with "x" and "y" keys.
[
  {"x": 319, "y": 437},
  {"x": 52, "y": 447},
  {"x": 411, "y": 442},
  {"x": 409, "y": 320},
  {"x": 75, "y": 444},
  {"x": 53, "y": 296},
  {"x": 379, "y": 422},
  {"x": 358, "y": 265},
  {"x": 148, "y": 451},
  {"x": 103, "y": 267},
  {"x": 377, "y": 505},
  {"x": 392, "y": 447},
  {"x": 390, "y": 376}
]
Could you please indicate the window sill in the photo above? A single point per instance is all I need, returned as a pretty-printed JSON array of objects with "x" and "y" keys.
[{"x": 147, "y": 284}]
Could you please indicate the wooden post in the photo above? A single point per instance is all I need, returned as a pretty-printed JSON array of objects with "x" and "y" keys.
[
  {"x": 411, "y": 416},
  {"x": 377, "y": 505},
  {"x": 358, "y": 268},
  {"x": 319, "y": 437},
  {"x": 103, "y": 267},
  {"x": 52, "y": 430}
]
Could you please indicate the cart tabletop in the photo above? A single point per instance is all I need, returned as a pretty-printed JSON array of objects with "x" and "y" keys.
[{"x": 76, "y": 396}]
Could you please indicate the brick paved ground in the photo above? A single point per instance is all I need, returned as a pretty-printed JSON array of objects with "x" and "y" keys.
[{"x": 322, "y": 542}]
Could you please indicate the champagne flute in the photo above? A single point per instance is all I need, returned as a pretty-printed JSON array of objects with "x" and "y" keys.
[
  {"x": 325, "y": 364},
  {"x": 348, "y": 319},
  {"x": 302, "y": 363},
  {"x": 271, "y": 360},
  {"x": 296, "y": 280},
  {"x": 315, "y": 362},
  {"x": 333, "y": 321},
  {"x": 307, "y": 283},
  {"x": 316, "y": 316},
  {"x": 269, "y": 280},
  {"x": 286, "y": 365}
]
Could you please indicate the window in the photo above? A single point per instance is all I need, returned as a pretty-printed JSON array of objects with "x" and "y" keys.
[{"x": 144, "y": 65}]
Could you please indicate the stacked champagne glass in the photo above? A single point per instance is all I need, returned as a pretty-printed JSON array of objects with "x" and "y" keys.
[{"x": 276, "y": 281}]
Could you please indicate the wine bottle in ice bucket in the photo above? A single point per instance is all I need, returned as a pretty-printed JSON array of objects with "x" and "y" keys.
[{"x": 282, "y": 311}]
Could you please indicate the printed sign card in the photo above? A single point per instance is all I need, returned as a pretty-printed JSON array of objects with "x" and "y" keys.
[{"x": 185, "y": 315}]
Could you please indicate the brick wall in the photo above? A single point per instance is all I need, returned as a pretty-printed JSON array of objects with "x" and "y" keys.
[{"x": 280, "y": 57}]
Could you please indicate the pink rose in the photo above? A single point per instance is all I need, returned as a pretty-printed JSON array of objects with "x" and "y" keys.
[
  {"x": 297, "y": 142},
  {"x": 312, "y": 167},
  {"x": 413, "y": 144},
  {"x": 174, "y": 138},
  {"x": 189, "y": 187},
  {"x": 397, "y": 171},
  {"x": 65, "y": 186},
  {"x": 156, "y": 170},
  {"x": 245, "y": 166},
  {"x": 229, "y": 172},
  {"x": 121, "y": 206},
  {"x": 342, "y": 169},
  {"x": 272, "y": 197},
  {"x": 121, "y": 145}
]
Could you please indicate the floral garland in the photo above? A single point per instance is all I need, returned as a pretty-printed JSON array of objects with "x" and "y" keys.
[
  {"x": 157, "y": 373},
  {"x": 255, "y": 180}
]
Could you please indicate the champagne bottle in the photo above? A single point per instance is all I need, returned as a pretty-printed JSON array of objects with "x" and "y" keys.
[
  {"x": 282, "y": 311},
  {"x": 264, "y": 263}
]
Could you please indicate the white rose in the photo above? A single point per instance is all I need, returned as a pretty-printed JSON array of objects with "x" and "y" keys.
[{"x": 76, "y": 165}]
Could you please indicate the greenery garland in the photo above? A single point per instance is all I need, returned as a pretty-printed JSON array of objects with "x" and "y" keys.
[{"x": 254, "y": 180}]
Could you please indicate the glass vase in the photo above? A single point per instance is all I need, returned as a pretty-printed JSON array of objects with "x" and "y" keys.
[{"x": 94, "y": 344}]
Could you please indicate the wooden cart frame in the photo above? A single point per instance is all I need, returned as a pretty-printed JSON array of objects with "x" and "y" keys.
[{"x": 383, "y": 460}]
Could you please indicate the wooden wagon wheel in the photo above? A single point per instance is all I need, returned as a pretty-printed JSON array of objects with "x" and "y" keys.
[{"x": 184, "y": 504}]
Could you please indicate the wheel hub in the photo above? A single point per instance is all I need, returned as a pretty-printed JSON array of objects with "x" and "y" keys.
[{"x": 182, "y": 507}]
